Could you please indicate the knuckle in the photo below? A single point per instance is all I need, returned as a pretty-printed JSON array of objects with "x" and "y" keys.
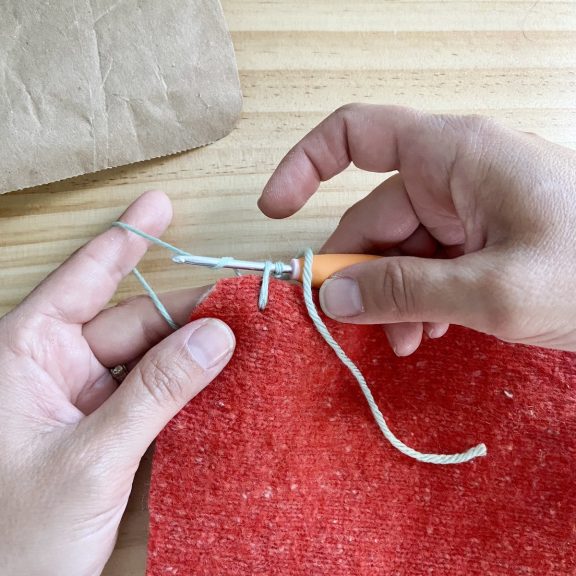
[
  {"x": 468, "y": 127},
  {"x": 480, "y": 127},
  {"x": 398, "y": 298},
  {"x": 477, "y": 120},
  {"x": 446, "y": 122},
  {"x": 162, "y": 381},
  {"x": 346, "y": 109}
]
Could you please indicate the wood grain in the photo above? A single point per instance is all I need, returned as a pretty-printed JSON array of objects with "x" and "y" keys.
[{"x": 298, "y": 60}]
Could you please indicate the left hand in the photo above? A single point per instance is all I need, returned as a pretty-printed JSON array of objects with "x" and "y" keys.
[{"x": 71, "y": 438}]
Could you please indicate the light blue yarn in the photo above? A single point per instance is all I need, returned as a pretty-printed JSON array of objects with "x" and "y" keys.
[
  {"x": 275, "y": 269},
  {"x": 152, "y": 239},
  {"x": 479, "y": 450},
  {"x": 155, "y": 300},
  {"x": 263, "y": 296},
  {"x": 270, "y": 269},
  {"x": 149, "y": 290}
]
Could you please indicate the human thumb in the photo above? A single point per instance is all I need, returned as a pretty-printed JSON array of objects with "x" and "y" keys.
[
  {"x": 404, "y": 289},
  {"x": 160, "y": 385}
]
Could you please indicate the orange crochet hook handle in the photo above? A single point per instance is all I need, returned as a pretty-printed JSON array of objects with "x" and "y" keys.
[{"x": 325, "y": 265}]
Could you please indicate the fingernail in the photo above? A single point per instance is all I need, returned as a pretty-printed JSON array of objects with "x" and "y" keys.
[
  {"x": 341, "y": 298},
  {"x": 210, "y": 343},
  {"x": 402, "y": 350},
  {"x": 432, "y": 332},
  {"x": 400, "y": 347},
  {"x": 435, "y": 331}
]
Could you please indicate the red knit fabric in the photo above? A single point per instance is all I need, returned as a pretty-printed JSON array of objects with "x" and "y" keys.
[{"x": 278, "y": 467}]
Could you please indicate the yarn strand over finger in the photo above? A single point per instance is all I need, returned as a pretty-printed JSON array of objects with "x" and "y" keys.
[{"x": 275, "y": 269}]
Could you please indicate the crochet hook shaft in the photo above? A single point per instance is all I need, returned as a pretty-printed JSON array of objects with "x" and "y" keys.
[
  {"x": 323, "y": 265},
  {"x": 211, "y": 262}
]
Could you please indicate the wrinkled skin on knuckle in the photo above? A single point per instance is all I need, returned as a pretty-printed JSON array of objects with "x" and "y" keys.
[
  {"x": 393, "y": 295},
  {"x": 519, "y": 182},
  {"x": 478, "y": 124},
  {"x": 476, "y": 135},
  {"x": 163, "y": 380}
]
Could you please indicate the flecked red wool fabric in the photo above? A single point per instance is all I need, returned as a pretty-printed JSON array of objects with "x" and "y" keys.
[{"x": 278, "y": 467}]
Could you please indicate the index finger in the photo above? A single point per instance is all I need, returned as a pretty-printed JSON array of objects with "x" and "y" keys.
[
  {"x": 372, "y": 137},
  {"x": 77, "y": 290}
]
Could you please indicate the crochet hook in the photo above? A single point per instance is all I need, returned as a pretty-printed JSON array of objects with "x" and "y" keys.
[{"x": 323, "y": 265}]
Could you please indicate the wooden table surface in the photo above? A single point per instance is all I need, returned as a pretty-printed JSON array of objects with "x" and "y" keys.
[{"x": 298, "y": 60}]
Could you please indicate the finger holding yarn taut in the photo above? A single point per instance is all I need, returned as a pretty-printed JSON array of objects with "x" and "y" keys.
[{"x": 78, "y": 290}]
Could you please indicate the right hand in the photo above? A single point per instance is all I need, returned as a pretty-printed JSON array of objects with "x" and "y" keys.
[{"x": 479, "y": 225}]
